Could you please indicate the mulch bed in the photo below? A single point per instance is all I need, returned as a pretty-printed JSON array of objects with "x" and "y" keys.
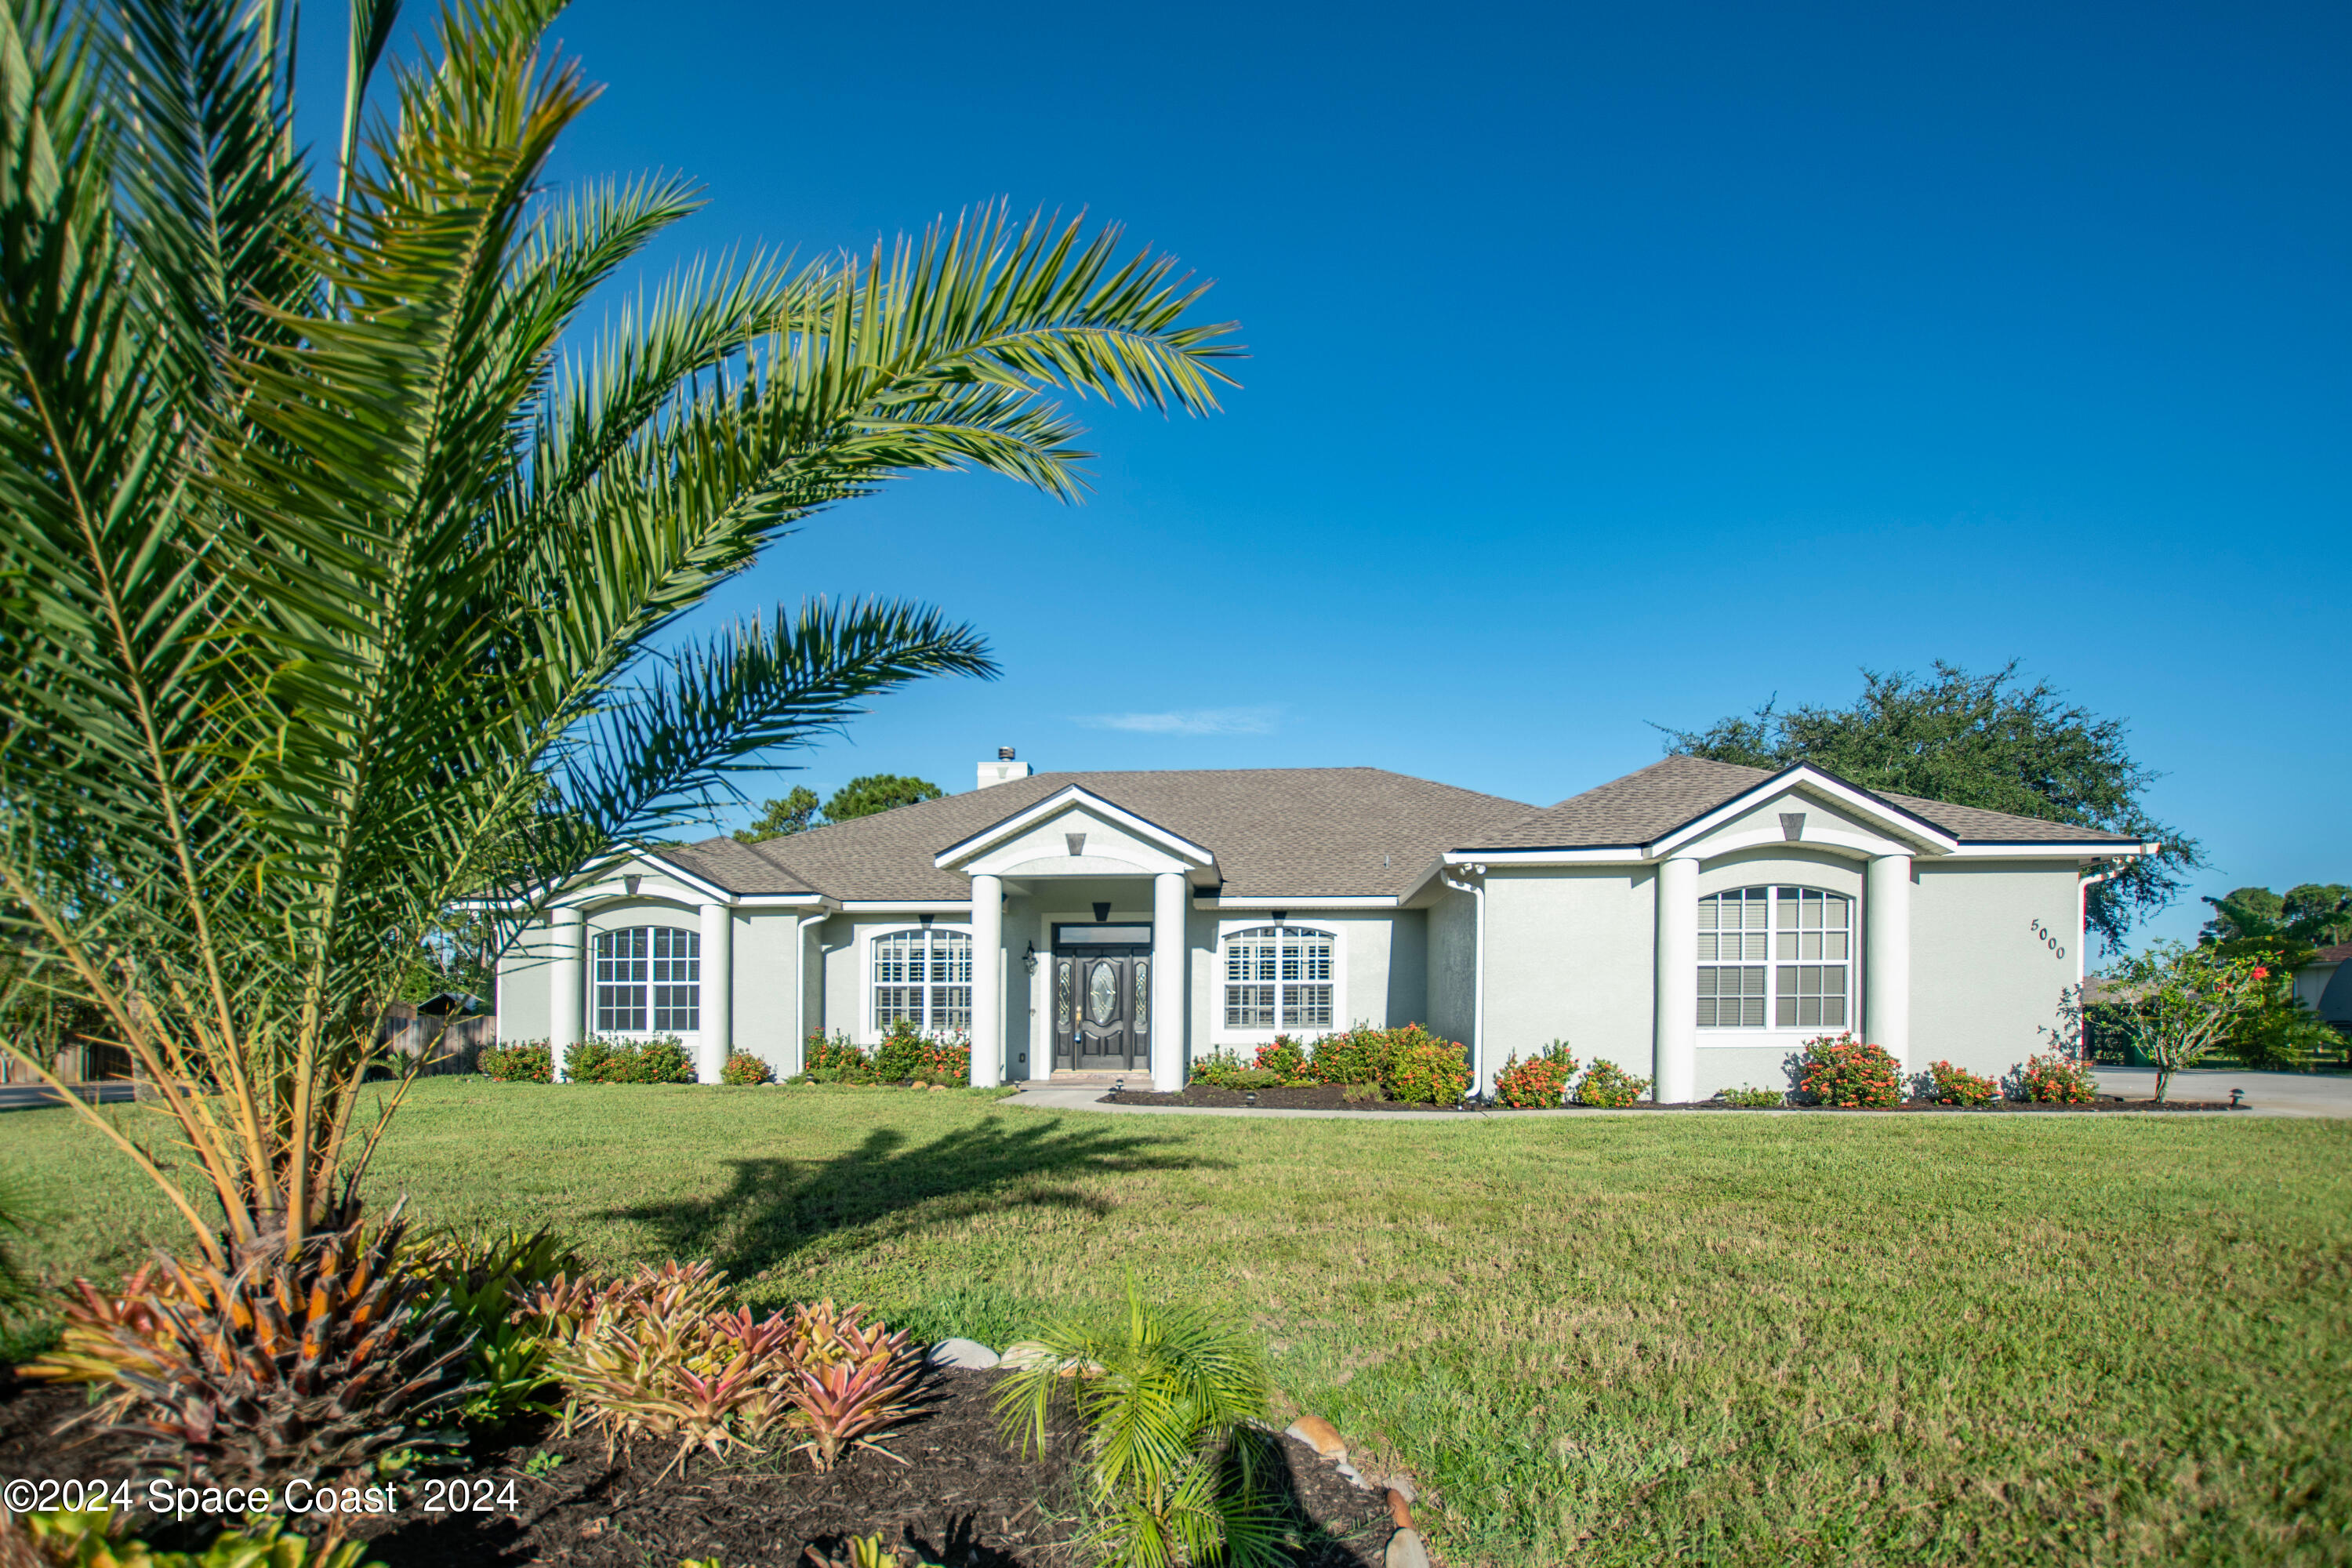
[
  {"x": 962, "y": 1496},
  {"x": 1333, "y": 1096}
]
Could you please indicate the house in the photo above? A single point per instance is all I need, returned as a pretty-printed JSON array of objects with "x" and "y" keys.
[
  {"x": 1692, "y": 921},
  {"x": 2325, "y": 985}
]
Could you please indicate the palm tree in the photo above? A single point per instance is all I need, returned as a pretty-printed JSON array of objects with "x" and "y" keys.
[{"x": 333, "y": 572}]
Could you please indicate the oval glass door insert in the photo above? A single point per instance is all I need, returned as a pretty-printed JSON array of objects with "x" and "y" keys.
[{"x": 1102, "y": 993}]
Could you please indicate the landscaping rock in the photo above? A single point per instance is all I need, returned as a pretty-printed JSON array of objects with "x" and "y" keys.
[
  {"x": 1353, "y": 1474},
  {"x": 1320, "y": 1436},
  {"x": 1400, "y": 1509},
  {"x": 969, "y": 1354},
  {"x": 1405, "y": 1550},
  {"x": 1024, "y": 1354},
  {"x": 1403, "y": 1487}
]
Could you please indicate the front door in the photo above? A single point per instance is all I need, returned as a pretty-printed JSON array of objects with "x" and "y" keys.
[{"x": 1102, "y": 1003}]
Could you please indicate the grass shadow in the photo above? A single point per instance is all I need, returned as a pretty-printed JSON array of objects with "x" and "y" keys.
[{"x": 773, "y": 1207}]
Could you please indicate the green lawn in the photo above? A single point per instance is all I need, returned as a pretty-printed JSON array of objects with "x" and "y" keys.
[{"x": 1719, "y": 1338}]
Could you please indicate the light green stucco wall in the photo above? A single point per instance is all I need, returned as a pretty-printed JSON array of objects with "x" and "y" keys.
[
  {"x": 523, "y": 974},
  {"x": 1568, "y": 957},
  {"x": 1983, "y": 984},
  {"x": 1451, "y": 949}
]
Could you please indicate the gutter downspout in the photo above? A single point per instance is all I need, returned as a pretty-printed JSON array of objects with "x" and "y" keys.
[
  {"x": 2082, "y": 912},
  {"x": 1477, "y": 889},
  {"x": 800, "y": 989}
]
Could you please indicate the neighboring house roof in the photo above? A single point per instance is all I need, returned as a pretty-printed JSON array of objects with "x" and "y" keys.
[
  {"x": 1288, "y": 832},
  {"x": 1646, "y": 805},
  {"x": 2337, "y": 954},
  {"x": 1285, "y": 831}
]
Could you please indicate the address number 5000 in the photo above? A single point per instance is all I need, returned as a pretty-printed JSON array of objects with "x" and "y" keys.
[{"x": 2049, "y": 938}]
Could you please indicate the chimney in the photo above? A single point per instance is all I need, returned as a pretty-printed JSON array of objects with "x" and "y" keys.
[{"x": 1004, "y": 770}]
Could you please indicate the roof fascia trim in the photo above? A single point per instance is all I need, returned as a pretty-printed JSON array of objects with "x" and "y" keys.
[
  {"x": 1061, "y": 800},
  {"x": 1300, "y": 901}
]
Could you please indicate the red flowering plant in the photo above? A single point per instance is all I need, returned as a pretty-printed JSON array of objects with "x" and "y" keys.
[
  {"x": 1948, "y": 1085},
  {"x": 1841, "y": 1070},
  {"x": 1282, "y": 1057},
  {"x": 1609, "y": 1086},
  {"x": 1540, "y": 1080},
  {"x": 2179, "y": 1001},
  {"x": 1428, "y": 1073},
  {"x": 2056, "y": 1079}
]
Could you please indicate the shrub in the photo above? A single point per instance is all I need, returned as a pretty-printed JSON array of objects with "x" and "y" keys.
[
  {"x": 1427, "y": 1073},
  {"x": 903, "y": 1053},
  {"x": 525, "y": 1061},
  {"x": 1354, "y": 1058},
  {"x": 1282, "y": 1057},
  {"x": 947, "y": 1061},
  {"x": 744, "y": 1067},
  {"x": 2056, "y": 1081},
  {"x": 605, "y": 1059},
  {"x": 486, "y": 1281},
  {"x": 1175, "y": 1463},
  {"x": 301, "y": 1364},
  {"x": 836, "y": 1058},
  {"x": 1540, "y": 1080},
  {"x": 1218, "y": 1070},
  {"x": 1839, "y": 1070},
  {"x": 1608, "y": 1085},
  {"x": 1948, "y": 1085},
  {"x": 1751, "y": 1099}
]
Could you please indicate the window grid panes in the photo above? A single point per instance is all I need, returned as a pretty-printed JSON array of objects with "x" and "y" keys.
[
  {"x": 1278, "y": 977},
  {"x": 1775, "y": 957},
  {"x": 924, "y": 978},
  {"x": 649, "y": 976}
]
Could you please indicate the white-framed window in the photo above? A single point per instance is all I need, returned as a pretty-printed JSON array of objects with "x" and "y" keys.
[
  {"x": 1776, "y": 958},
  {"x": 648, "y": 979},
  {"x": 1277, "y": 979},
  {"x": 922, "y": 976}
]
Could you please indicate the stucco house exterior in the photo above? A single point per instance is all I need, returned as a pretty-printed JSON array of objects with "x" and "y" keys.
[
  {"x": 2325, "y": 985},
  {"x": 1692, "y": 921}
]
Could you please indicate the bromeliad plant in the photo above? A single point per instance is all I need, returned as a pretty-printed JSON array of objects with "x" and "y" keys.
[
  {"x": 1175, "y": 1464},
  {"x": 330, "y": 579},
  {"x": 316, "y": 1360}
]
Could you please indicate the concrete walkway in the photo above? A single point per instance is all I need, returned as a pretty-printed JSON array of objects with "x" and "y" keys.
[
  {"x": 2272, "y": 1093},
  {"x": 2267, "y": 1094},
  {"x": 25, "y": 1095}
]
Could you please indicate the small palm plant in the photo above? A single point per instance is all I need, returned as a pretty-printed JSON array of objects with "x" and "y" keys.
[{"x": 1171, "y": 1398}]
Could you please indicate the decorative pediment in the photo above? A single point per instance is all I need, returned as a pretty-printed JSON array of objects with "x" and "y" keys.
[
  {"x": 1075, "y": 833},
  {"x": 1803, "y": 806}
]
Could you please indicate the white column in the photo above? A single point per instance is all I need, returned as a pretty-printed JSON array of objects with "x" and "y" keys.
[
  {"x": 1675, "y": 1046},
  {"x": 1887, "y": 956},
  {"x": 1169, "y": 901},
  {"x": 717, "y": 992},
  {"x": 567, "y": 980},
  {"x": 987, "y": 981}
]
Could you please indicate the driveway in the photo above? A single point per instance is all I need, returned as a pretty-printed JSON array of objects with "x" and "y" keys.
[
  {"x": 25, "y": 1095},
  {"x": 2278, "y": 1093}
]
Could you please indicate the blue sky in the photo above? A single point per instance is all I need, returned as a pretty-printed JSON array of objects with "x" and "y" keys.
[{"x": 1610, "y": 365}]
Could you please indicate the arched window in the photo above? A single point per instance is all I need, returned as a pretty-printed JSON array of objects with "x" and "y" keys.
[
  {"x": 1775, "y": 958},
  {"x": 1278, "y": 977},
  {"x": 649, "y": 977},
  {"x": 924, "y": 978}
]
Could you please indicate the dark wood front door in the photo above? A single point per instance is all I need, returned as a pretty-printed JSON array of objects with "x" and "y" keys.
[{"x": 1102, "y": 1010}]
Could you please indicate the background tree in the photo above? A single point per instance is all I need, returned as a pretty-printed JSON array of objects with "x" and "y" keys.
[
  {"x": 1989, "y": 741},
  {"x": 796, "y": 812},
  {"x": 878, "y": 791},
  {"x": 329, "y": 580},
  {"x": 2288, "y": 927}
]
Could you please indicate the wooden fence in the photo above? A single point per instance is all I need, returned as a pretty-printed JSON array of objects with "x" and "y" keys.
[{"x": 447, "y": 1046}]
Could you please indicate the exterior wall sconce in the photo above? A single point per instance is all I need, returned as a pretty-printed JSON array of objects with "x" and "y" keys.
[{"x": 1029, "y": 959}]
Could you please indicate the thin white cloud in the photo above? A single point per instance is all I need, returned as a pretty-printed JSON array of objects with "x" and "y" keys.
[{"x": 1190, "y": 721}]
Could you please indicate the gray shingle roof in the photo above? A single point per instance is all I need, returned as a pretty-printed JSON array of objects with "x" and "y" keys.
[
  {"x": 1649, "y": 804},
  {"x": 1288, "y": 832}
]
